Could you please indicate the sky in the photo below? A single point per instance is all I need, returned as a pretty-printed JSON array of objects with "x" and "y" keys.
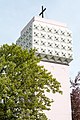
[{"x": 15, "y": 14}]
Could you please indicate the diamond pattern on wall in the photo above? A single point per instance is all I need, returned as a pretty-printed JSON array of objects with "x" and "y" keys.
[
  {"x": 63, "y": 39},
  {"x": 62, "y": 33},
  {"x": 42, "y": 28},
  {"x": 56, "y": 45},
  {"x": 49, "y": 37},
  {"x": 27, "y": 32},
  {"x": 69, "y": 41},
  {"x": 43, "y": 35},
  {"x": 43, "y": 50},
  {"x": 36, "y": 34},
  {"x": 69, "y": 55},
  {"x": 63, "y": 47},
  {"x": 36, "y": 41},
  {"x": 49, "y": 29},
  {"x": 57, "y": 53},
  {"x": 37, "y": 48},
  {"x": 53, "y": 41},
  {"x": 56, "y": 31},
  {"x": 27, "y": 45},
  {"x": 56, "y": 38},
  {"x": 50, "y": 44},
  {"x": 36, "y": 27},
  {"x": 30, "y": 36},
  {"x": 43, "y": 43},
  {"x": 69, "y": 34},
  {"x": 26, "y": 39},
  {"x": 69, "y": 48},
  {"x": 50, "y": 52},
  {"x": 63, "y": 54}
]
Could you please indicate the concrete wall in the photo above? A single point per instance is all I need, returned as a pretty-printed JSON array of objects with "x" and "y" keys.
[{"x": 61, "y": 108}]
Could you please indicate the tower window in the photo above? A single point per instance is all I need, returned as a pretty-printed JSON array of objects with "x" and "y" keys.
[
  {"x": 57, "y": 53},
  {"x": 42, "y": 28},
  {"x": 43, "y": 43},
  {"x": 63, "y": 47},
  {"x": 50, "y": 44},
  {"x": 62, "y": 32},
  {"x": 56, "y": 38},
  {"x": 42, "y": 35},
  {"x": 63, "y": 54},
  {"x": 62, "y": 39},
  {"x": 36, "y": 34},
  {"x": 68, "y": 34},
  {"x": 56, "y": 45},
  {"x": 49, "y": 30},
  {"x": 43, "y": 50},
  {"x": 49, "y": 37},
  {"x": 55, "y": 31}
]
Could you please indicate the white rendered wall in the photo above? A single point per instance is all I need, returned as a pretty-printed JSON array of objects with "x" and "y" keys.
[{"x": 61, "y": 108}]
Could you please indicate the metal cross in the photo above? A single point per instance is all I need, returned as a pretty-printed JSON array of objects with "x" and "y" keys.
[{"x": 42, "y": 12}]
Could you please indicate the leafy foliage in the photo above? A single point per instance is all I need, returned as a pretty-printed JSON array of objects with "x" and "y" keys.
[
  {"x": 23, "y": 84},
  {"x": 75, "y": 98}
]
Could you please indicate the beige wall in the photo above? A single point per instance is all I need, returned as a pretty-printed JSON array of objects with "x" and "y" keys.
[{"x": 61, "y": 108}]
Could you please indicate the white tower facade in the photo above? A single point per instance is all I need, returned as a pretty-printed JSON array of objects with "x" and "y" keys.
[{"x": 53, "y": 42}]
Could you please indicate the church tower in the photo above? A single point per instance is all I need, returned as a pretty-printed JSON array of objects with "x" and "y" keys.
[{"x": 53, "y": 41}]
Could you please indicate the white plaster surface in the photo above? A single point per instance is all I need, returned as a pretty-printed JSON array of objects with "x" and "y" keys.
[{"x": 61, "y": 107}]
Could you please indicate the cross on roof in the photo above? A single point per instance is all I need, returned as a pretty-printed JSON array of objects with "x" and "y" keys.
[{"x": 42, "y": 12}]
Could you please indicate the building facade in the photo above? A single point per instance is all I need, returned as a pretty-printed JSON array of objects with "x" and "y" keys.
[{"x": 53, "y": 42}]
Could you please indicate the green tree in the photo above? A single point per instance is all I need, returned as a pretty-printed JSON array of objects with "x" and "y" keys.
[
  {"x": 75, "y": 98},
  {"x": 23, "y": 84}
]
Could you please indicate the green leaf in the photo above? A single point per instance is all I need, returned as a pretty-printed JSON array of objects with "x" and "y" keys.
[{"x": 23, "y": 83}]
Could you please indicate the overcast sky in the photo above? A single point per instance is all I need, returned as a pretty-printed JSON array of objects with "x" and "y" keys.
[{"x": 15, "y": 14}]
